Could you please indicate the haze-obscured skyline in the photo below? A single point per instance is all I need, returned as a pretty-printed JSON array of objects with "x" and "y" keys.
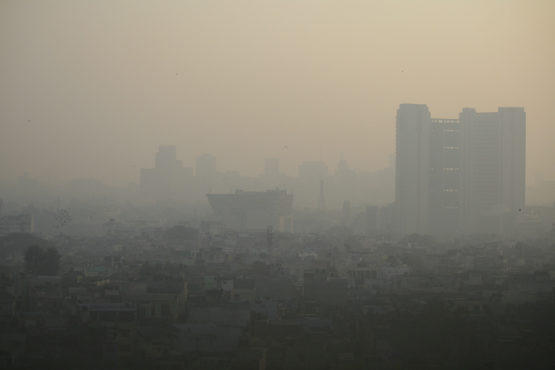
[{"x": 92, "y": 88}]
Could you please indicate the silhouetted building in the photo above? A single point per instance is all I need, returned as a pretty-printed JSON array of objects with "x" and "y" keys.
[
  {"x": 493, "y": 168},
  {"x": 445, "y": 177},
  {"x": 413, "y": 165},
  {"x": 463, "y": 175},
  {"x": 168, "y": 179},
  {"x": 252, "y": 210},
  {"x": 343, "y": 171}
]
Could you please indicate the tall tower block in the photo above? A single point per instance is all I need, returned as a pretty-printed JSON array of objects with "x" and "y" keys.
[{"x": 412, "y": 176}]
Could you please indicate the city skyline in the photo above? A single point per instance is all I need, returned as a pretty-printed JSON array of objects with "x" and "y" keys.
[{"x": 277, "y": 184}]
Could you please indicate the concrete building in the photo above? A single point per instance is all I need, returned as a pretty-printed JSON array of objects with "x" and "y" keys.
[
  {"x": 493, "y": 168},
  {"x": 463, "y": 175},
  {"x": 413, "y": 165},
  {"x": 168, "y": 180},
  {"x": 445, "y": 177}
]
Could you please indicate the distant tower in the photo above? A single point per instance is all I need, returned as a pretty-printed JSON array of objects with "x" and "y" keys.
[
  {"x": 168, "y": 177},
  {"x": 494, "y": 170},
  {"x": 321, "y": 200},
  {"x": 412, "y": 178},
  {"x": 460, "y": 175}
]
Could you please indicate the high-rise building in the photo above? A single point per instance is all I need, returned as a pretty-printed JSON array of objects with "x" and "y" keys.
[
  {"x": 413, "y": 164},
  {"x": 168, "y": 179},
  {"x": 445, "y": 177},
  {"x": 463, "y": 175},
  {"x": 493, "y": 168}
]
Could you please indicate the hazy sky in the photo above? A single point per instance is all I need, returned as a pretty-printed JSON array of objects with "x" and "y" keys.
[{"x": 91, "y": 88}]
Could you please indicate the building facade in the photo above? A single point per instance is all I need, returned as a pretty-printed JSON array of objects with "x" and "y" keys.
[
  {"x": 168, "y": 179},
  {"x": 493, "y": 168},
  {"x": 412, "y": 168},
  {"x": 459, "y": 176}
]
